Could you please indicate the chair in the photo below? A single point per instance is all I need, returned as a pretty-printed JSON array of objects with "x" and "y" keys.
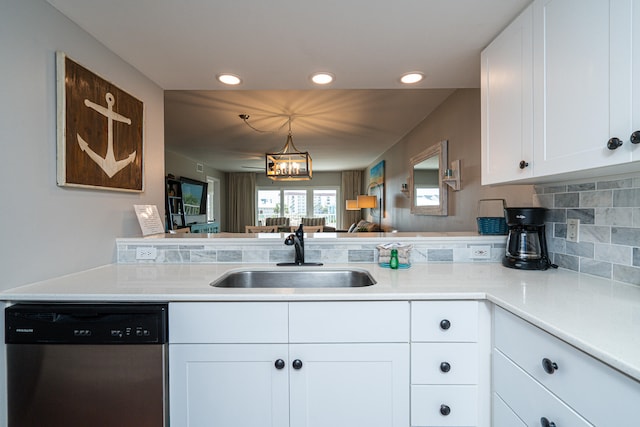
[
  {"x": 313, "y": 221},
  {"x": 281, "y": 222},
  {"x": 260, "y": 228},
  {"x": 308, "y": 228},
  {"x": 317, "y": 221}
]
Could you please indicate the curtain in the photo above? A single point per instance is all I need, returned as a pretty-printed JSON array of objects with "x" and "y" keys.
[
  {"x": 351, "y": 187},
  {"x": 241, "y": 196}
]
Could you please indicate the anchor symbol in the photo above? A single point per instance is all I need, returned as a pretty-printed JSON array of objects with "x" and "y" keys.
[{"x": 108, "y": 164}]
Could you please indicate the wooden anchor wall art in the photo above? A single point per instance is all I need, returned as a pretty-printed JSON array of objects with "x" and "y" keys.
[{"x": 100, "y": 131}]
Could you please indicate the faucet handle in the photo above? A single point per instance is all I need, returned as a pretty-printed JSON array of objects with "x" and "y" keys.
[{"x": 290, "y": 239}]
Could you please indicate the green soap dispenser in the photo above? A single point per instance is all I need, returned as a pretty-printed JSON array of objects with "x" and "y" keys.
[{"x": 393, "y": 262}]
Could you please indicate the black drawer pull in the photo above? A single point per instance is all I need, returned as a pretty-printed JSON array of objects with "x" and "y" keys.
[
  {"x": 614, "y": 143},
  {"x": 546, "y": 423},
  {"x": 279, "y": 364},
  {"x": 445, "y": 324},
  {"x": 635, "y": 137},
  {"x": 523, "y": 164},
  {"x": 445, "y": 367},
  {"x": 549, "y": 366},
  {"x": 297, "y": 364},
  {"x": 445, "y": 410}
]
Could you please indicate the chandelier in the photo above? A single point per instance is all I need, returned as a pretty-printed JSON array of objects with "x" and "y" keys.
[{"x": 288, "y": 164}]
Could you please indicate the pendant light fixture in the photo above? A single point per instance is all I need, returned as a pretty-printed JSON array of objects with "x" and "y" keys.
[{"x": 288, "y": 164}]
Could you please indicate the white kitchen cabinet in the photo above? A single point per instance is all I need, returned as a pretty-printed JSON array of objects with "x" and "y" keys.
[
  {"x": 528, "y": 399},
  {"x": 357, "y": 374},
  {"x": 449, "y": 345},
  {"x": 228, "y": 385},
  {"x": 503, "y": 416},
  {"x": 574, "y": 76},
  {"x": 346, "y": 385},
  {"x": 538, "y": 375},
  {"x": 635, "y": 82},
  {"x": 582, "y": 83},
  {"x": 507, "y": 103}
]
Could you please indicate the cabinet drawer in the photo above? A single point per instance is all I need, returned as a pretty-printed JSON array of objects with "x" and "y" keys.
[
  {"x": 530, "y": 400},
  {"x": 427, "y": 402},
  {"x": 599, "y": 393},
  {"x": 503, "y": 416},
  {"x": 324, "y": 322},
  {"x": 461, "y": 360},
  {"x": 438, "y": 321},
  {"x": 228, "y": 322}
]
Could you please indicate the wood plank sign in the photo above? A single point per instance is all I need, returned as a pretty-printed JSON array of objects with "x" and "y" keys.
[{"x": 100, "y": 131}]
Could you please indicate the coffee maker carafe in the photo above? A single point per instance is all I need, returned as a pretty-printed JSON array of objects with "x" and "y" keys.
[{"x": 526, "y": 241}]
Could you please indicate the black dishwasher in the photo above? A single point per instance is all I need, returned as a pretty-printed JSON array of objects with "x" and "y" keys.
[{"x": 86, "y": 365}]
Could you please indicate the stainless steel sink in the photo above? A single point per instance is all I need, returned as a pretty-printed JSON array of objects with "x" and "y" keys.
[{"x": 295, "y": 278}]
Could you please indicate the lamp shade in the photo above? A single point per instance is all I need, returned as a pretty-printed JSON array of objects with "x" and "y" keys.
[
  {"x": 352, "y": 205},
  {"x": 365, "y": 202}
]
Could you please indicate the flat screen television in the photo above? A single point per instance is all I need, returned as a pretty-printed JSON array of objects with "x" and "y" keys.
[{"x": 194, "y": 196}]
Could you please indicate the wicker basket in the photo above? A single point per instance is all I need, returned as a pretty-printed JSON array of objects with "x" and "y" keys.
[{"x": 492, "y": 224}]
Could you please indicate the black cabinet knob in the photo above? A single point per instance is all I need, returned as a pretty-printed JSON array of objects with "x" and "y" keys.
[
  {"x": 635, "y": 137},
  {"x": 614, "y": 143},
  {"x": 297, "y": 364},
  {"x": 445, "y": 367},
  {"x": 523, "y": 164},
  {"x": 445, "y": 410},
  {"x": 546, "y": 423},
  {"x": 549, "y": 366},
  {"x": 445, "y": 324},
  {"x": 279, "y": 364}
]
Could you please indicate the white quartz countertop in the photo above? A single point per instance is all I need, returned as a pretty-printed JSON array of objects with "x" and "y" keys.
[{"x": 598, "y": 316}]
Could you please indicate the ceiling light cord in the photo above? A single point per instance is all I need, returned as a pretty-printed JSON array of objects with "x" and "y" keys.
[{"x": 245, "y": 119}]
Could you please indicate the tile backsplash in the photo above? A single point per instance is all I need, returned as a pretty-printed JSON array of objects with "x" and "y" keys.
[
  {"x": 356, "y": 250},
  {"x": 609, "y": 233}
]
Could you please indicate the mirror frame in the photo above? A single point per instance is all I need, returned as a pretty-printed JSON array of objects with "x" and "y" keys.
[{"x": 440, "y": 150}]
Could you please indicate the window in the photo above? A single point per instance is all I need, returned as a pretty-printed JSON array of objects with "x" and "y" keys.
[
  {"x": 298, "y": 203},
  {"x": 427, "y": 196},
  {"x": 325, "y": 205}
]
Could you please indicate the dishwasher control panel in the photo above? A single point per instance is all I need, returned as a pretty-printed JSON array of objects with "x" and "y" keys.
[{"x": 86, "y": 324}]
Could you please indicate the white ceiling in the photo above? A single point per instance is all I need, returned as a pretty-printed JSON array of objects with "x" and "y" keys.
[{"x": 274, "y": 46}]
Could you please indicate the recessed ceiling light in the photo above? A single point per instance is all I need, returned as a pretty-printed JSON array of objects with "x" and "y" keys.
[
  {"x": 322, "y": 78},
  {"x": 229, "y": 79},
  {"x": 412, "y": 77}
]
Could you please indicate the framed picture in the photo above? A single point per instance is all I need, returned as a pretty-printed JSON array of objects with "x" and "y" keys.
[
  {"x": 376, "y": 187},
  {"x": 100, "y": 131}
]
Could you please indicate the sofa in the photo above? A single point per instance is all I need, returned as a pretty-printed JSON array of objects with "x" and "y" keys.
[{"x": 364, "y": 226}]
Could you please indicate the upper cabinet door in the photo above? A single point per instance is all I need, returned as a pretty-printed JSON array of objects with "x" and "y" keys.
[
  {"x": 507, "y": 105},
  {"x": 582, "y": 83},
  {"x": 635, "y": 75}
]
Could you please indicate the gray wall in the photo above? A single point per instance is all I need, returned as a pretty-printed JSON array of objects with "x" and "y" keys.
[
  {"x": 55, "y": 230},
  {"x": 457, "y": 120}
]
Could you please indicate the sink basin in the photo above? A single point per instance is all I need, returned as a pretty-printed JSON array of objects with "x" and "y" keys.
[{"x": 295, "y": 278}]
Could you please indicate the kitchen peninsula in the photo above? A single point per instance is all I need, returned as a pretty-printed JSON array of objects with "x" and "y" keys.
[{"x": 598, "y": 317}]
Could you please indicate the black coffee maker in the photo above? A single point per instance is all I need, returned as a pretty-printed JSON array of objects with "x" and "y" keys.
[{"x": 526, "y": 242}]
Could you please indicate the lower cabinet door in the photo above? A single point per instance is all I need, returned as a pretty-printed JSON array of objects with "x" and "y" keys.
[
  {"x": 347, "y": 385},
  {"x": 444, "y": 405},
  {"x": 503, "y": 416},
  {"x": 228, "y": 385}
]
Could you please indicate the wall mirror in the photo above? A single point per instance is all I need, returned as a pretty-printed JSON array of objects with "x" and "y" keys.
[{"x": 428, "y": 193}]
